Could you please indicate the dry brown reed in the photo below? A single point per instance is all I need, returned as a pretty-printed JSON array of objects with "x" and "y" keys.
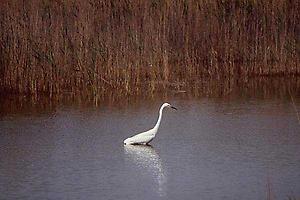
[{"x": 58, "y": 46}]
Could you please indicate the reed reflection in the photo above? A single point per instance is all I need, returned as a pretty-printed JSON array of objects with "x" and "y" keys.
[{"x": 146, "y": 158}]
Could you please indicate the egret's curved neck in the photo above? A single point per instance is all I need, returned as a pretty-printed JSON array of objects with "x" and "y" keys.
[{"x": 159, "y": 118}]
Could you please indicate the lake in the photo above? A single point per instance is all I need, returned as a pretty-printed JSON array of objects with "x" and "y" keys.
[{"x": 213, "y": 147}]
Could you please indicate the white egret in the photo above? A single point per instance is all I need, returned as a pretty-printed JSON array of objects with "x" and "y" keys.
[{"x": 148, "y": 136}]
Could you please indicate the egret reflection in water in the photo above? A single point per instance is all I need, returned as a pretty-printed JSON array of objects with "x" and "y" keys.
[{"x": 149, "y": 162}]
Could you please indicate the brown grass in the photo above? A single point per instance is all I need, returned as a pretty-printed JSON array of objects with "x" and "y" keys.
[{"x": 54, "y": 46}]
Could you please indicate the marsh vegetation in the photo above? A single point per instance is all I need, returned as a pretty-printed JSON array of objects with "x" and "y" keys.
[{"x": 54, "y": 47}]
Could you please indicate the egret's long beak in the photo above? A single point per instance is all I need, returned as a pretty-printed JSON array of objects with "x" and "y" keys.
[{"x": 174, "y": 107}]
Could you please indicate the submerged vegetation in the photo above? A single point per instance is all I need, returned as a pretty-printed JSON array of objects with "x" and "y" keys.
[{"x": 53, "y": 47}]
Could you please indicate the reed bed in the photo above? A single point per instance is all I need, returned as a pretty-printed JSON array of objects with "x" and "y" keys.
[
  {"x": 258, "y": 89},
  {"x": 58, "y": 46}
]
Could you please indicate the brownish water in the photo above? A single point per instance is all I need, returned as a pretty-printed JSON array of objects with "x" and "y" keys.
[{"x": 244, "y": 145}]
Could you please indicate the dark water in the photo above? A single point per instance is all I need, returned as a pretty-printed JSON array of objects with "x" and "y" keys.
[{"x": 211, "y": 148}]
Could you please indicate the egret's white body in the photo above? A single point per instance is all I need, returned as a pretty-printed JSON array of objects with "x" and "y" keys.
[{"x": 148, "y": 136}]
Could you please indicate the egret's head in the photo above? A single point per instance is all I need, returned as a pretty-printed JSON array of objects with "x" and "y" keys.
[{"x": 169, "y": 106}]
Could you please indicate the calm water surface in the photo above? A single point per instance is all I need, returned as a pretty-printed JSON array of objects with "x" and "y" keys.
[{"x": 211, "y": 148}]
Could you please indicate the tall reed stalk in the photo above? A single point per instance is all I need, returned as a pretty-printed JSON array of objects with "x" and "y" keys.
[{"x": 59, "y": 46}]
